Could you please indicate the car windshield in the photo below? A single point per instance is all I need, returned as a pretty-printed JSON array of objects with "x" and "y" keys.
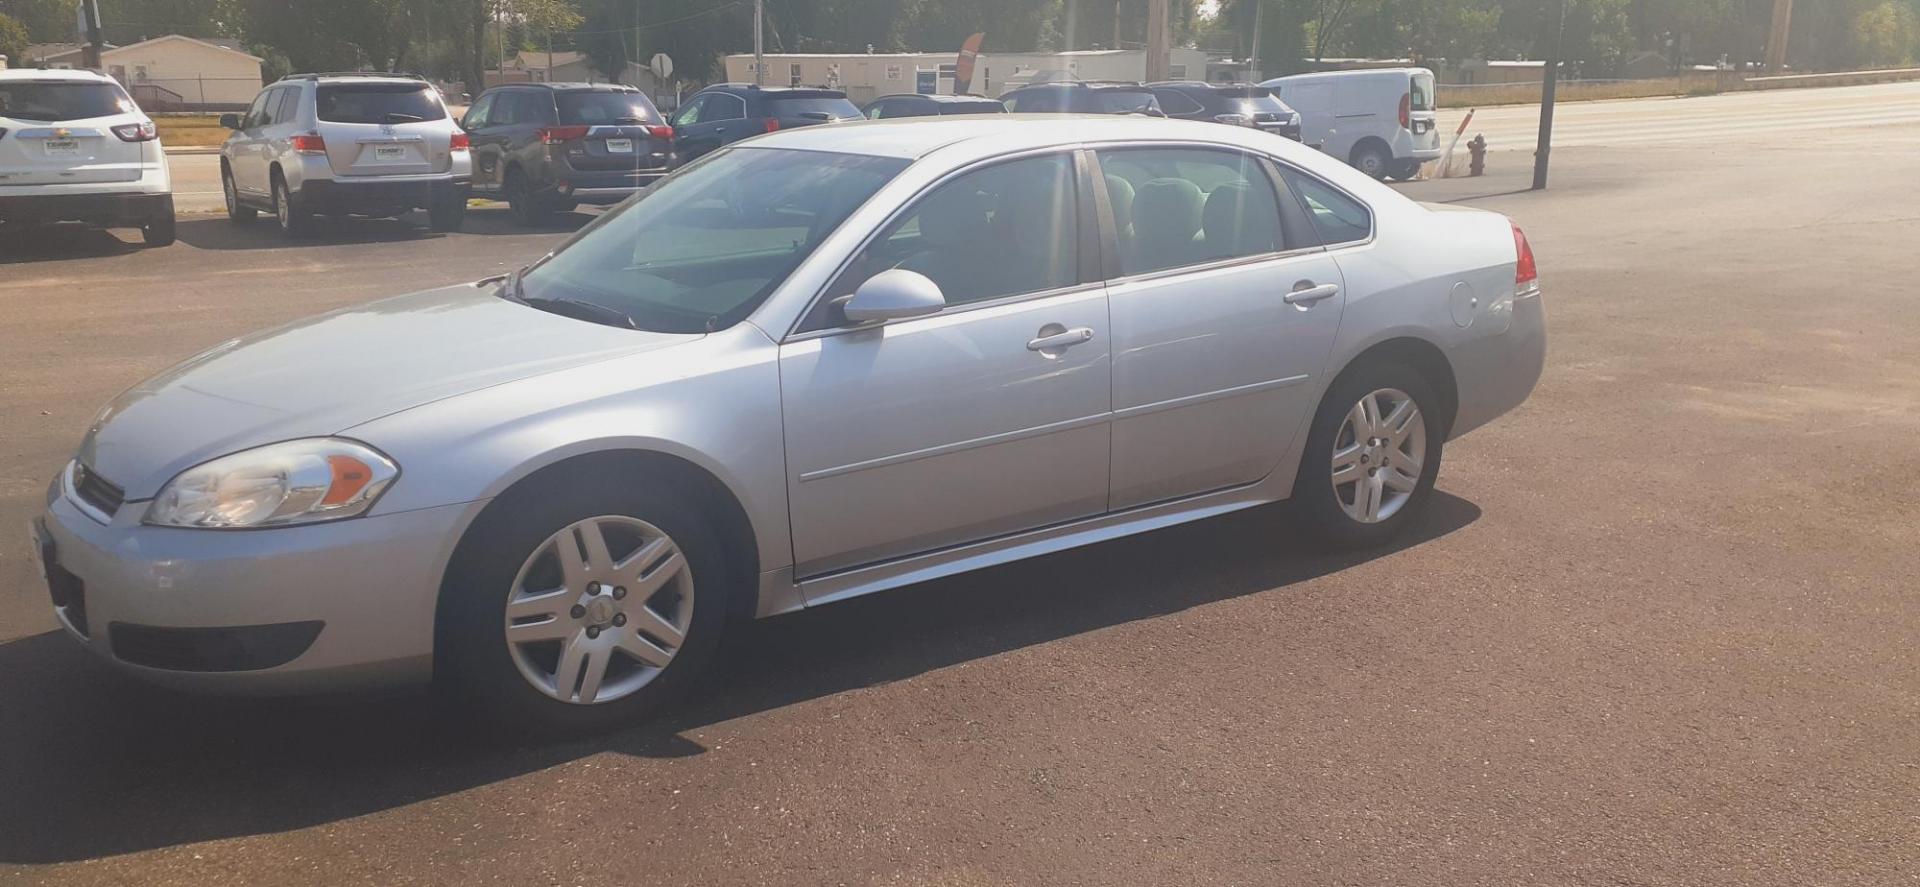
[
  {"x": 402, "y": 102},
  {"x": 701, "y": 249},
  {"x": 1422, "y": 92},
  {"x": 1125, "y": 101},
  {"x": 51, "y": 101},
  {"x": 796, "y": 106},
  {"x": 605, "y": 108}
]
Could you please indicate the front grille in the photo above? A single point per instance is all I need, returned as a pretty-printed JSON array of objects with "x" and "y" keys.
[{"x": 97, "y": 491}]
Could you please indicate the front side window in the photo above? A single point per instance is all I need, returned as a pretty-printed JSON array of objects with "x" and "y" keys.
[
  {"x": 406, "y": 101},
  {"x": 51, "y": 101},
  {"x": 1005, "y": 230},
  {"x": 691, "y": 113},
  {"x": 704, "y": 247},
  {"x": 1188, "y": 206},
  {"x": 477, "y": 115},
  {"x": 1336, "y": 217}
]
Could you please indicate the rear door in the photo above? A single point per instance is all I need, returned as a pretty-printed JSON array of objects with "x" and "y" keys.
[
  {"x": 383, "y": 128},
  {"x": 1423, "y": 118},
  {"x": 61, "y": 132}
]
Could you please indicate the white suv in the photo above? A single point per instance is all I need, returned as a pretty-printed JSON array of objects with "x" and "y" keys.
[
  {"x": 360, "y": 144},
  {"x": 75, "y": 148}
]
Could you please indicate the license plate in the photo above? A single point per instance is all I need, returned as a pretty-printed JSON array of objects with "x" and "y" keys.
[
  {"x": 63, "y": 148},
  {"x": 389, "y": 152},
  {"x": 619, "y": 146},
  {"x": 1420, "y": 126}
]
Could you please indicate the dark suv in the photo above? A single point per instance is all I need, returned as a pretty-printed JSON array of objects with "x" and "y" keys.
[
  {"x": 1237, "y": 104},
  {"x": 729, "y": 112},
  {"x": 1083, "y": 97},
  {"x": 889, "y": 107},
  {"x": 547, "y": 147}
]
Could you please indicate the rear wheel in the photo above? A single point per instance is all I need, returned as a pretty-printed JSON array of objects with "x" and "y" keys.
[
  {"x": 523, "y": 206},
  {"x": 1371, "y": 158},
  {"x": 159, "y": 229},
  {"x": 1403, "y": 170},
  {"x": 294, "y": 220},
  {"x": 1371, "y": 456},
  {"x": 583, "y": 607},
  {"x": 236, "y": 211}
]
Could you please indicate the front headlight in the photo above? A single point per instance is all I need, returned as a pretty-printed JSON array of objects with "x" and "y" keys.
[{"x": 296, "y": 482}]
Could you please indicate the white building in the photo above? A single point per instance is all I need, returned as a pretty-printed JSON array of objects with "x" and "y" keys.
[
  {"x": 867, "y": 76},
  {"x": 170, "y": 73}
]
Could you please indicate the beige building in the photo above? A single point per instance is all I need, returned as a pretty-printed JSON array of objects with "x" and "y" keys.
[
  {"x": 564, "y": 67},
  {"x": 170, "y": 73},
  {"x": 866, "y": 77}
]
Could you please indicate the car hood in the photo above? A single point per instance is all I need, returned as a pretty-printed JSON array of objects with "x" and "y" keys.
[{"x": 325, "y": 374}]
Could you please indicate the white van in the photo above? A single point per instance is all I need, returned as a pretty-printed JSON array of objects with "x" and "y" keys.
[{"x": 1381, "y": 120}]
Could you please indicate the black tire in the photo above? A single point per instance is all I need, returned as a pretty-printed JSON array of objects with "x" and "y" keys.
[
  {"x": 1372, "y": 158},
  {"x": 1403, "y": 170},
  {"x": 472, "y": 659},
  {"x": 236, "y": 211},
  {"x": 1316, "y": 496},
  {"x": 523, "y": 206},
  {"x": 294, "y": 220},
  {"x": 159, "y": 230},
  {"x": 448, "y": 211}
]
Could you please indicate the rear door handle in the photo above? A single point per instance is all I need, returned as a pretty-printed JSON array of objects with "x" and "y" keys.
[
  {"x": 1077, "y": 336},
  {"x": 1306, "y": 293}
]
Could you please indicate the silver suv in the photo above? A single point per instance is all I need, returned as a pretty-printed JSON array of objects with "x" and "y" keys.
[{"x": 360, "y": 144}]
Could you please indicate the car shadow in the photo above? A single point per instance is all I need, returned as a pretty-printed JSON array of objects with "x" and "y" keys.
[
  {"x": 93, "y": 763},
  {"x": 217, "y": 232},
  {"x": 48, "y": 243},
  {"x": 492, "y": 219}
]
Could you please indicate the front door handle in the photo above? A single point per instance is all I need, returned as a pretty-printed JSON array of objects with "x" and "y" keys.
[
  {"x": 1306, "y": 292},
  {"x": 1060, "y": 340}
]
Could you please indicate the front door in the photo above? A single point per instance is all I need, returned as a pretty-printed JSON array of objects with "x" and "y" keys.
[
  {"x": 988, "y": 418},
  {"x": 247, "y": 151},
  {"x": 1223, "y": 311},
  {"x": 485, "y": 145}
]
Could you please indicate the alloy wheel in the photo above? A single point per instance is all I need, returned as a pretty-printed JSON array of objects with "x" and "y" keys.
[
  {"x": 1378, "y": 454},
  {"x": 599, "y": 609}
]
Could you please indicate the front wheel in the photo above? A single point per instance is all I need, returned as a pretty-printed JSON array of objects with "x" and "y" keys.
[
  {"x": 236, "y": 211},
  {"x": 582, "y": 608},
  {"x": 1371, "y": 456}
]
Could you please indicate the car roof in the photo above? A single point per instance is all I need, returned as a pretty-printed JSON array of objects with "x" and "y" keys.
[
  {"x": 988, "y": 134},
  {"x": 75, "y": 75},
  {"x": 944, "y": 99},
  {"x": 797, "y": 91},
  {"x": 569, "y": 86}
]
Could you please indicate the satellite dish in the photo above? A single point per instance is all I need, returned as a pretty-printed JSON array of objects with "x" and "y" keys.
[{"x": 661, "y": 64}]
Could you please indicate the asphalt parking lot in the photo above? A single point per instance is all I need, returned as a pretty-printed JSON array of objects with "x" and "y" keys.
[{"x": 1659, "y": 629}]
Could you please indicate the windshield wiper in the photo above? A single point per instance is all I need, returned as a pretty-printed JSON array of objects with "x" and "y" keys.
[
  {"x": 577, "y": 309},
  {"x": 397, "y": 117}
]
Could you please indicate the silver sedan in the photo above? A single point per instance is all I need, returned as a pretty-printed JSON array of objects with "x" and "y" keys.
[{"x": 813, "y": 365}]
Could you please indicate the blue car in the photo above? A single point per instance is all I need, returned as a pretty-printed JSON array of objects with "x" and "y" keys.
[{"x": 728, "y": 112}]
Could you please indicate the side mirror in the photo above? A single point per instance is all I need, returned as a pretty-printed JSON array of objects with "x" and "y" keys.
[
  {"x": 230, "y": 121},
  {"x": 895, "y": 294}
]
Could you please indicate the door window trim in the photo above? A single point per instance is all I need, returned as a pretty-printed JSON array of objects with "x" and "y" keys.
[
  {"x": 1086, "y": 272},
  {"x": 1373, "y": 217}
]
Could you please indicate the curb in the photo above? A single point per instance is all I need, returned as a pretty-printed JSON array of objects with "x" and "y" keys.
[{"x": 195, "y": 149}]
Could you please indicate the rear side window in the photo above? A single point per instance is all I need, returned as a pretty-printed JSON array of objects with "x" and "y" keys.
[
  {"x": 606, "y": 108},
  {"x": 404, "y": 102},
  {"x": 1336, "y": 217},
  {"x": 834, "y": 108},
  {"x": 1189, "y": 206},
  {"x": 1122, "y": 101},
  {"x": 289, "y": 105},
  {"x": 1174, "y": 101},
  {"x": 49, "y": 101}
]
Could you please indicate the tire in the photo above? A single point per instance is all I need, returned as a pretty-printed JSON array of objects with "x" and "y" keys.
[
  {"x": 294, "y": 220},
  {"x": 1327, "y": 504},
  {"x": 512, "y": 548},
  {"x": 236, "y": 211},
  {"x": 1403, "y": 170},
  {"x": 448, "y": 211},
  {"x": 523, "y": 207},
  {"x": 1371, "y": 158},
  {"x": 159, "y": 230}
]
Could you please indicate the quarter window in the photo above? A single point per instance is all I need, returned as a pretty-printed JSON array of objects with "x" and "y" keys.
[
  {"x": 1188, "y": 206},
  {"x": 1005, "y": 230},
  {"x": 1336, "y": 217}
]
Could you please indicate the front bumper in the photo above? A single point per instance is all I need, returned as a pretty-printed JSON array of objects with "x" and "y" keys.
[
  {"x": 1494, "y": 373},
  {"x": 322, "y": 607},
  {"x": 106, "y": 209},
  {"x": 340, "y": 198}
]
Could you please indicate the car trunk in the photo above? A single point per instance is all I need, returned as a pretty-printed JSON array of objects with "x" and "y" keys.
[
  {"x": 383, "y": 129},
  {"x": 59, "y": 133},
  {"x": 605, "y": 131}
]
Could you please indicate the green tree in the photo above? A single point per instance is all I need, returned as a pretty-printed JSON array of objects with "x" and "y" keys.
[
  {"x": 13, "y": 39},
  {"x": 46, "y": 21}
]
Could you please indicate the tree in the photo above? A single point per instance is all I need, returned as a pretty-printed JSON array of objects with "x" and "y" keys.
[
  {"x": 46, "y": 21},
  {"x": 13, "y": 39}
]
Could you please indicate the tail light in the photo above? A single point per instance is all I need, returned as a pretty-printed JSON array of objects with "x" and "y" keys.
[
  {"x": 460, "y": 142},
  {"x": 554, "y": 135},
  {"x": 308, "y": 144},
  {"x": 135, "y": 132},
  {"x": 661, "y": 132},
  {"x": 773, "y": 123},
  {"x": 1233, "y": 119},
  {"x": 1406, "y": 110},
  {"x": 1526, "y": 274}
]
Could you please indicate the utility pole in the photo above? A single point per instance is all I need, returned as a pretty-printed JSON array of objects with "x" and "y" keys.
[
  {"x": 1550, "y": 80},
  {"x": 1254, "y": 62},
  {"x": 1777, "y": 35},
  {"x": 1159, "y": 40},
  {"x": 759, "y": 58},
  {"x": 90, "y": 57}
]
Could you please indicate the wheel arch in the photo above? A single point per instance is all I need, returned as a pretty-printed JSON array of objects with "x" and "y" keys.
[{"x": 1424, "y": 357}]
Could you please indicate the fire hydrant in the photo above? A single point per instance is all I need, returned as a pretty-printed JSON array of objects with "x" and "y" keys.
[{"x": 1477, "y": 155}]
